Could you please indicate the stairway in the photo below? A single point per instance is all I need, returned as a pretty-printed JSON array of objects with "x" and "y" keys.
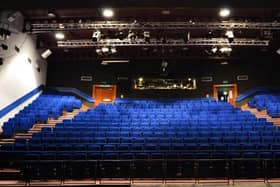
[
  {"x": 261, "y": 114},
  {"x": 38, "y": 126}
]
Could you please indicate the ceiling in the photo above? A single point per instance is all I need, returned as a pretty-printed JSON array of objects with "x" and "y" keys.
[{"x": 200, "y": 23}]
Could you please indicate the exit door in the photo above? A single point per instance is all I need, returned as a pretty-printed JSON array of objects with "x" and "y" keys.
[
  {"x": 104, "y": 93},
  {"x": 225, "y": 92}
]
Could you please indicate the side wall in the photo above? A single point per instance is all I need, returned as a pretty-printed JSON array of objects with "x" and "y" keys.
[{"x": 22, "y": 70}]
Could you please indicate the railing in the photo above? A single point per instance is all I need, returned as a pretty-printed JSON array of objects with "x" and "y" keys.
[
  {"x": 254, "y": 91},
  {"x": 74, "y": 91},
  {"x": 154, "y": 169}
]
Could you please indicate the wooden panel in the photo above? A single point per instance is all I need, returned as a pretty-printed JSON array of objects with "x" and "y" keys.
[
  {"x": 231, "y": 90},
  {"x": 104, "y": 93}
]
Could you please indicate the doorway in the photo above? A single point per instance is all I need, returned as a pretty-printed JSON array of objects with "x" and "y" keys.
[
  {"x": 225, "y": 93},
  {"x": 103, "y": 93}
]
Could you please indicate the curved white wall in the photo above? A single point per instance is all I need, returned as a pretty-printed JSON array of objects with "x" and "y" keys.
[{"x": 17, "y": 75}]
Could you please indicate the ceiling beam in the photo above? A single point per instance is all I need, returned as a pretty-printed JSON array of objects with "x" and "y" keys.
[
  {"x": 154, "y": 42},
  {"x": 188, "y": 25}
]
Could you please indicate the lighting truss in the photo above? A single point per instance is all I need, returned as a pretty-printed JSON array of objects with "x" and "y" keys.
[
  {"x": 169, "y": 42},
  {"x": 99, "y": 25}
]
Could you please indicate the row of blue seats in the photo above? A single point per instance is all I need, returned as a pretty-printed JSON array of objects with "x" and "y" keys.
[
  {"x": 39, "y": 111},
  {"x": 95, "y": 155},
  {"x": 102, "y": 140},
  {"x": 168, "y": 135},
  {"x": 269, "y": 102}
]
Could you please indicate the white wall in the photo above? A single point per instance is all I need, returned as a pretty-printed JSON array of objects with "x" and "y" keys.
[{"x": 17, "y": 75}]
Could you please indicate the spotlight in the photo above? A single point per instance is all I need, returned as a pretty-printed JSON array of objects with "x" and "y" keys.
[
  {"x": 98, "y": 51},
  {"x": 120, "y": 35},
  {"x": 225, "y": 12},
  {"x": 225, "y": 49},
  {"x": 59, "y": 36},
  {"x": 46, "y": 53},
  {"x": 164, "y": 65},
  {"x": 131, "y": 36},
  {"x": 96, "y": 36},
  {"x": 4, "y": 46},
  {"x": 187, "y": 37},
  {"x": 210, "y": 34},
  {"x": 51, "y": 14},
  {"x": 108, "y": 13},
  {"x": 105, "y": 49},
  {"x": 113, "y": 50},
  {"x": 214, "y": 49},
  {"x": 230, "y": 36},
  {"x": 147, "y": 36}
]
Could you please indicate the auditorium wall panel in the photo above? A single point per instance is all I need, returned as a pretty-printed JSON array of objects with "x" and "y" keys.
[
  {"x": 68, "y": 74},
  {"x": 22, "y": 71}
]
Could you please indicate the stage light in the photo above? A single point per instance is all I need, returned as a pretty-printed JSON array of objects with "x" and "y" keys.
[
  {"x": 113, "y": 50},
  {"x": 214, "y": 49},
  {"x": 225, "y": 12},
  {"x": 51, "y": 14},
  {"x": 96, "y": 36},
  {"x": 59, "y": 36},
  {"x": 121, "y": 35},
  {"x": 210, "y": 34},
  {"x": 187, "y": 37},
  {"x": 108, "y": 13},
  {"x": 164, "y": 65},
  {"x": 46, "y": 53},
  {"x": 131, "y": 36},
  {"x": 147, "y": 36},
  {"x": 230, "y": 36},
  {"x": 105, "y": 49},
  {"x": 225, "y": 49}
]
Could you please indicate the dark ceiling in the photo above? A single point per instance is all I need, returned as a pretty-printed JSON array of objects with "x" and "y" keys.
[{"x": 129, "y": 12}]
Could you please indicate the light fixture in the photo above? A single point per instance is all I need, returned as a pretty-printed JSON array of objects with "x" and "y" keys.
[
  {"x": 108, "y": 13},
  {"x": 230, "y": 36},
  {"x": 278, "y": 51},
  {"x": 106, "y": 62},
  {"x": 225, "y": 49},
  {"x": 131, "y": 36},
  {"x": 51, "y": 14},
  {"x": 140, "y": 79},
  {"x": 225, "y": 12},
  {"x": 147, "y": 36},
  {"x": 96, "y": 36},
  {"x": 164, "y": 65},
  {"x": 113, "y": 50},
  {"x": 214, "y": 49},
  {"x": 120, "y": 35},
  {"x": 46, "y": 53},
  {"x": 187, "y": 36},
  {"x": 105, "y": 49},
  {"x": 224, "y": 63},
  {"x": 59, "y": 36},
  {"x": 98, "y": 51},
  {"x": 210, "y": 34}
]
